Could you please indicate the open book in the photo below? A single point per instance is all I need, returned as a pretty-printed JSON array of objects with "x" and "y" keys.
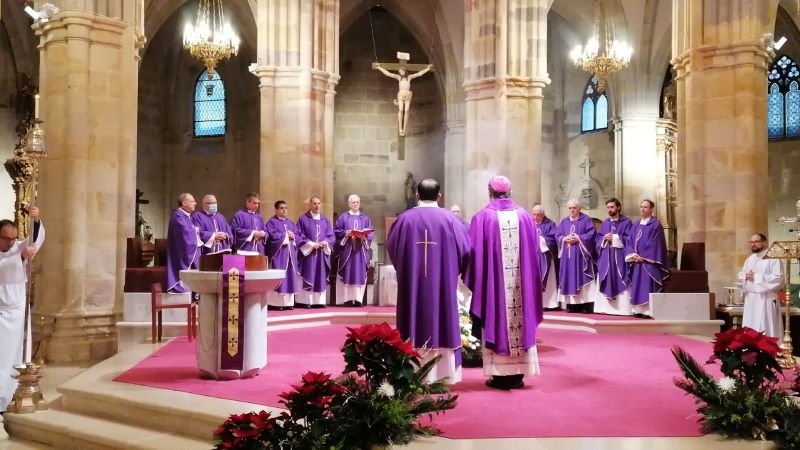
[
  {"x": 224, "y": 251},
  {"x": 361, "y": 234}
]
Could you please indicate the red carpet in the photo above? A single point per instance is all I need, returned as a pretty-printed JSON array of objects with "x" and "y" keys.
[{"x": 591, "y": 384}]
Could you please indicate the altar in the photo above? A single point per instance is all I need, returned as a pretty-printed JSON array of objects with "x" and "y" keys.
[{"x": 223, "y": 352}]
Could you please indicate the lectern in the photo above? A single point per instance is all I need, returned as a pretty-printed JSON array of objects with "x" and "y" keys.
[{"x": 232, "y": 331}]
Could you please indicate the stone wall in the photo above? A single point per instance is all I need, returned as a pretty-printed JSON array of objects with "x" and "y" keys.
[{"x": 366, "y": 155}]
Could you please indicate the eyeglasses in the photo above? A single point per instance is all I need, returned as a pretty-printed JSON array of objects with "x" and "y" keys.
[
  {"x": 7, "y": 239},
  {"x": 755, "y": 242}
]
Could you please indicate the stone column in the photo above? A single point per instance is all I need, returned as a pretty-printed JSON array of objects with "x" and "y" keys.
[
  {"x": 454, "y": 163},
  {"x": 635, "y": 159},
  {"x": 722, "y": 132},
  {"x": 88, "y": 85},
  {"x": 505, "y": 51},
  {"x": 298, "y": 59}
]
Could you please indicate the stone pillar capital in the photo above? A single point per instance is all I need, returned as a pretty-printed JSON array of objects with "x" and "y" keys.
[{"x": 722, "y": 56}]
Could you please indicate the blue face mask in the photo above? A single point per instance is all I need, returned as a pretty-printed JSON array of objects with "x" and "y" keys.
[{"x": 212, "y": 208}]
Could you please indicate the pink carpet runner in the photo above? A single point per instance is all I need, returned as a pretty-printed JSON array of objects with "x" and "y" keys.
[{"x": 609, "y": 385}]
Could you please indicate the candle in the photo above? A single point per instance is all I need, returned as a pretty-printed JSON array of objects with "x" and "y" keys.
[{"x": 36, "y": 107}]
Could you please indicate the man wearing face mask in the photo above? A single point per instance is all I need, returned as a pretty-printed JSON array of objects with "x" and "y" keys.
[{"x": 214, "y": 231}]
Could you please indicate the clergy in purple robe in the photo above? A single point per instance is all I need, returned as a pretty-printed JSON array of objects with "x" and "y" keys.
[
  {"x": 456, "y": 210},
  {"x": 575, "y": 236},
  {"x": 315, "y": 242},
  {"x": 612, "y": 271},
  {"x": 548, "y": 262},
  {"x": 281, "y": 249},
  {"x": 249, "y": 231},
  {"x": 429, "y": 248},
  {"x": 354, "y": 253},
  {"x": 183, "y": 243},
  {"x": 505, "y": 281},
  {"x": 647, "y": 258},
  {"x": 215, "y": 232}
]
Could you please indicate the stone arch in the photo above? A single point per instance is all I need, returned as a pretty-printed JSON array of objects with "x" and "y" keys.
[{"x": 21, "y": 39}]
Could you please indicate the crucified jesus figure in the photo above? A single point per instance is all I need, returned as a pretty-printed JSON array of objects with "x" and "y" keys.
[{"x": 403, "y": 100}]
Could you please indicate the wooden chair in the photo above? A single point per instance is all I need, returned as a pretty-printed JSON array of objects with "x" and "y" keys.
[{"x": 157, "y": 305}]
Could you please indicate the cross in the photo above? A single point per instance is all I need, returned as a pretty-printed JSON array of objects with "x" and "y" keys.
[
  {"x": 403, "y": 59},
  {"x": 426, "y": 243},
  {"x": 586, "y": 165}
]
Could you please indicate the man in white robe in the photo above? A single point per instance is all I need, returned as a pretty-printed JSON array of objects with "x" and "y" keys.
[
  {"x": 14, "y": 255},
  {"x": 761, "y": 280}
]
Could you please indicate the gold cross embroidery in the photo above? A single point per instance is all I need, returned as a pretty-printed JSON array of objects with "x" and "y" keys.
[{"x": 426, "y": 243}]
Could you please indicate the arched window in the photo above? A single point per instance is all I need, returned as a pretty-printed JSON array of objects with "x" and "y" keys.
[
  {"x": 209, "y": 105},
  {"x": 783, "y": 99},
  {"x": 594, "y": 109}
]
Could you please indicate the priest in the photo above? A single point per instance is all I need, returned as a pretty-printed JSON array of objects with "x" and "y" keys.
[
  {"x": 612, "y": 272},
  {"x": 430, "y": 247},
  {"x": 14, "y": 256},
  {"x": 353, "y": 232},
  {"x": 183, "y": 243},
  {"x": 281, "y": 249},
  {"x": 215, "y": 232},
  {"x": 548, "y": 263},
  {"x": 505, "y": 281},
  {"x": 575, "y": 236},
  {"x": 248, "y": 227},
  {"x": 646, "y": 254},
  {"x": 315, "y": 241}
]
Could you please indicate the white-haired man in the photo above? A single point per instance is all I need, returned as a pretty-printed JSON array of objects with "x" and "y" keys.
[
  {"x": 353, "y": 232},
  {"x": 576, "y": 251},
  {"x": 548, "y": 263}
]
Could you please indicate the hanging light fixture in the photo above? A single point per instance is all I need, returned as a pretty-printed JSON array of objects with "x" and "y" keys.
[
  {"x": 210, "y": 40},
  {"x": 602, "y": 56}
]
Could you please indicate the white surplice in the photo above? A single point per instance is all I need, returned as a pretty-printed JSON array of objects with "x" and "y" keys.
[
  {"x": 12, "y": 315},
  {"x": 762, "y": 309}
]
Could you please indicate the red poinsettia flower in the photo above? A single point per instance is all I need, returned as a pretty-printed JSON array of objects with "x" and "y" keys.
[
  {"x": 316, "y": 377},
  {"x": 769, "y": 345}
]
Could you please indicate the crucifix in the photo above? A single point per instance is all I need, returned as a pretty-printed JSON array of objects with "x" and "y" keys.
[
  {"x": 426, "y": 243},
  {"x": 403, "y": 100},
  {"x": 140, "y": 224}
]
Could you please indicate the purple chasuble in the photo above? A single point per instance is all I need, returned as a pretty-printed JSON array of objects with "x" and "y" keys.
[
  {"x": 210, "y": 224},
  {"x": 283, "y": 256},
  {"x": 485, "y": 278},
  {"x": 647, "y": 241},
  {"x": 429, "y": 248},
  {"x": 315, "y": 267},
  {"x": 182, "y": 249},
  {"x": 243, "y": 224},
  {"x": 612, "y": 271},
  {"x": 355, "y": 254},
  {"x": 547, "y": 230},
  {"x": 576, "y": 261}
]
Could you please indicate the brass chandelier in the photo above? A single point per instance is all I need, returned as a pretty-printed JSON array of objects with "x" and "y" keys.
[
  {"x": 602, "y": 56},
  {"x": 210, "y": 40}
]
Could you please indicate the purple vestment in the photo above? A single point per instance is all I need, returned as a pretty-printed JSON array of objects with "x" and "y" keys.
[
  {"x": 355, "y": 254},
  {"x": 576, "y": 261},
  {"x": 182, "y": 249},
  {"x": 547, "y": 230},
  {"x": 243, "y": 224},
  {"x": 282, "y": 254},
  {"x": 210, "y": 224},
  {"x": 612, "y": 271},
  {"x": 315, "y": 267},
  {"x": 485, "y": 277},
  {"x": 429, "y": 248},
  {"x": 647, "y": 241}
]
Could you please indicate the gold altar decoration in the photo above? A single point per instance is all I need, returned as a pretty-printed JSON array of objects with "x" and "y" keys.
[
  {"x": 233, "y": 312},
  {"x": 785, "y": 251}
]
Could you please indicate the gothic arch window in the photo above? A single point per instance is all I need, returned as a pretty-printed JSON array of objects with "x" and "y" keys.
[
  {"x": 594, "y": 108},
  {"x": 209, "y": 105},
  {"x": 783, "y": 99}
]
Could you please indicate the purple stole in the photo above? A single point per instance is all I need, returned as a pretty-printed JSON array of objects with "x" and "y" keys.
[{"x": 233, "y": 289}]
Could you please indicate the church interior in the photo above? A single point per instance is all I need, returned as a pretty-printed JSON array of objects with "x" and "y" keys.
[{"x": 703, "y": 119}]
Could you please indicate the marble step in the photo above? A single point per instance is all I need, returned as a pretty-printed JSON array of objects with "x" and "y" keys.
[{"x": 68, "y": 430}]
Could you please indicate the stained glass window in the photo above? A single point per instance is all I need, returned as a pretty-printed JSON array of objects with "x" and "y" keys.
[
  {"x": 783, "y": 99},
  {"x": 209, "y": 106},
  {"x": 594, "y": 109}
]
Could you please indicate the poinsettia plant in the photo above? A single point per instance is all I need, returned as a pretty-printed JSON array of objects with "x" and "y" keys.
[
  {"x": 753, "y": 398},
  {"x": 378, "y": 400}
]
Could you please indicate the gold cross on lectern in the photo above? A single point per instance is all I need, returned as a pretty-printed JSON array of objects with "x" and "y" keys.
[{"x": 426, "y": 243}]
